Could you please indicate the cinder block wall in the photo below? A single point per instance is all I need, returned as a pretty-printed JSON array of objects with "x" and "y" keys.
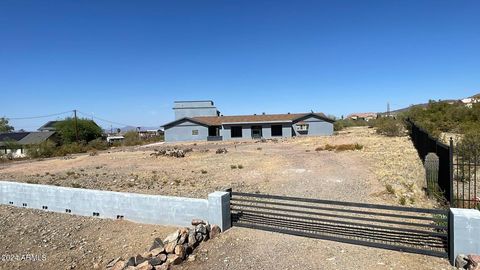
[{"x": 151, "y": 209}]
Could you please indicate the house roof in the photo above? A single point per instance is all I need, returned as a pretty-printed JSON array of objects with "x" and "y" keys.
[
  {"x": 12, "y": 136},
  {"x": 25, "y": 138},
  {"x": 50, "y": 125},
  {"x": 261, "y": 118}
]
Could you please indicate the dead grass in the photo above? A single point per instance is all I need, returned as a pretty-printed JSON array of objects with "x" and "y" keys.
[{"x": 340, "y": 147}]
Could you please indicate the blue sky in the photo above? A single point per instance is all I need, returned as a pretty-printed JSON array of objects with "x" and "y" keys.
[{"x": 127, "y": 61}]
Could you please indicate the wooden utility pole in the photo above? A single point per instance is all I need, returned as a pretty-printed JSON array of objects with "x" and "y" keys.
[{"x": 76, "y": 124}]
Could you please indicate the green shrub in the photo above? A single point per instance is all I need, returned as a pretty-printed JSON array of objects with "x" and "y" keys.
[
  {"x": 42, "y": 150},
  {"x": 87, "y": 130},
  {"x": 344, "y": 123},
  {"x": 389, "y": 127},
  {"x": 469, "y": 147},
  {"x": 98, "y": 144},
  {"x": 70, "y": 148},
  {"x": 132, "y": 138}
]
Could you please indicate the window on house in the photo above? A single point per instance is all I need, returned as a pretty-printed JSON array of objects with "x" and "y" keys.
[
  {"x": 302, "y": 127},
  {"x": 236, "y": 131},
  {"x": 277, "y": 130},
  {"x": 195, "y": 132}
]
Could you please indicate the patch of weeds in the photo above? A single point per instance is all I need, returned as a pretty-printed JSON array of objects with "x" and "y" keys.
[
  {"x": 37, "y": 174},
  {"x": 47, "y": 173},
  {"x": 390, "y": 189},
  {"x": 70, "y": 173},
  {"x": 412, "y": 200},
  {"x": 403, "y": 200},
  {"x": 82, "y": 170},
  {"x": 177, "y": 182},
  {"x": 32, "y": 181},
  {"x": 340, "y": 147},
  {"x": 130, "y": 184},
  {"x": 307, "y": 150},
  {"x": 233, "y": 167},
  {"x": 98, "y": 167},
  {"x": 240, "y": 166},
  {"x": 259, "y": 148},
  {"x": 104, "y": 173},
  {"x": 154, "y": 172},
  {"x": 318, "y": 149},
  {"x": 204, "y": 171},
  {"x": 76, "y": 185}
]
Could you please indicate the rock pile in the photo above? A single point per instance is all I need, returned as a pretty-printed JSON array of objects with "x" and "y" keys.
[
  {"x": 470, "y": 262},
  {"x": 178, "y": 153},
  {"x": 173, "y": 250},
  {"x": 222, "y": 151}
]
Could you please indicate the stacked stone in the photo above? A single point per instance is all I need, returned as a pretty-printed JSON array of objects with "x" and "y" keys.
[{"x": 173, "y": 250}]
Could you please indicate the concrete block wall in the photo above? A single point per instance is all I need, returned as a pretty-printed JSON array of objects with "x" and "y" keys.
[
  {"x": 142, "y": 208},
  {"x": 464, "y": 232}
]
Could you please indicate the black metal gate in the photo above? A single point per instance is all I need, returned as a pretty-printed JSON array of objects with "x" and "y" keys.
[{"x": 414, "y": 230}]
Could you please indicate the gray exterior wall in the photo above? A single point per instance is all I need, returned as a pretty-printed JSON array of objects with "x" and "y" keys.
[
  {"x": 247, "y": 131},
  {"x": 184, "y": 109},
  {"x": 316, "y": 127},
  {"x": 183, "y": 132}
]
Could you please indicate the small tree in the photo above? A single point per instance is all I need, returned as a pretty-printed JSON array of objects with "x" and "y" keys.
[
  {"x": 87, "y": 130},
  {"x": 4, "y": 126}
]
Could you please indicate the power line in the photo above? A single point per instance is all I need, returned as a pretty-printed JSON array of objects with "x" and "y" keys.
[
  {"x": 37, "y": 117},
  {"x": 104, "y": 120}
]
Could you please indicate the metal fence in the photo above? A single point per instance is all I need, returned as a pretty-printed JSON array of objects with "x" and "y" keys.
[
  {"x": 466, "y": 165},
  {"x": 425, "y": 143},
  {"x": 407, "y": 229}
]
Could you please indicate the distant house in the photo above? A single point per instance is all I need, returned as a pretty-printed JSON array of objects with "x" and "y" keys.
[
  {"x": 15, "y": 143},
  {"x": 362, "y": 116},
  {"x": 50, "y": 125},
  {"x": 202, "y": 121},
  {"x": 471, "y": 100}
]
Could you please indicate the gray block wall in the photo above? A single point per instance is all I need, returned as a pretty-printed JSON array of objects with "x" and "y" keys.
[
  {"x": 183, "y": 132},
  {"x": 184, "y": 109},
  {"x": 142, "y": 208},
  {"x": 247, "y": 131},
  {"x": 316, "y": 127},
  {"x": 464, "y": 232}
]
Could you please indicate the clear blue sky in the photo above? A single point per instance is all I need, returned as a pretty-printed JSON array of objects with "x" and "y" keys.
[{"x": 127, "y": 61}]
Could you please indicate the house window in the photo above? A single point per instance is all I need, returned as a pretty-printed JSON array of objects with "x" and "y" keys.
[
  {"x": 236, "y": 131},
  {"x": 195, "y": 132},
  {"x": 302, "y": 127},
  {"x": 277, "y": 130}
]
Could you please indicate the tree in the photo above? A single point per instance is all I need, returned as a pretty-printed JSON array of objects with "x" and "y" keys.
[
  {"x": 4, "y": 126},
  {"x": 87, "y": 130}
]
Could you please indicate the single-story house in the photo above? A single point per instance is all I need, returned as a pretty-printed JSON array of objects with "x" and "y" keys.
[
  {"x": 363, "y": 116},
  {"x": 15, "y": 143},
  {"x": 215, "y": 128}
]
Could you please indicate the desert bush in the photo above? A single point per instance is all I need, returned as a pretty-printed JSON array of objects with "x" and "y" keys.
[
  {"x": 42, "y": 150},
  {"x": 340, "y": 147},
  {"x": 240, "y": 166},
  {"x": 390, "y": 189},
  {"x": 469, "y": 147},
  {"x": 344, "y": 123},
  {"x": 98, "y": 144},
  {"x": 233, "y": 167},
  {"x": 389, "y": 127},
  {"x": 87, "y": 130},
  {"x": 131, "y": 138},
  {"x": 70, "y": 148}
]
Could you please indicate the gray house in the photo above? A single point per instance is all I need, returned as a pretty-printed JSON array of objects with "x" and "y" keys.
[{"x": 201, "y": 121}]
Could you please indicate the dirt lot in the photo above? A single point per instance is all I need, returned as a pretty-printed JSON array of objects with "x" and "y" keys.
[{"x": 386, "y": 170}]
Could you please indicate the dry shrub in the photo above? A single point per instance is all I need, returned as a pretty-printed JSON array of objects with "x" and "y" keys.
[{"x": 340, "y": 147}]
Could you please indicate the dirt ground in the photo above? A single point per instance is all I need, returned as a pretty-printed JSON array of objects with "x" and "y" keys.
[{"x": 386, "y": 170}]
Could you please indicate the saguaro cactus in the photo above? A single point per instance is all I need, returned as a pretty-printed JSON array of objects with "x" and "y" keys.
[{"x": 431, "y": 171}]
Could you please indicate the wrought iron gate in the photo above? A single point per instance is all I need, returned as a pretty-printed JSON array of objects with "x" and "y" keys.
[{"x": 414, "y": 230}]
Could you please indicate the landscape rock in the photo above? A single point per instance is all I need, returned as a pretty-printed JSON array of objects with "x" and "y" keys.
[
  {"x": 162, "y": 257},
  {"x": 192, "y": 241},
  {"x": 214, "y": 231},
  {"x": 174, "y": 259},
  {"x": 474, "y": 261},
  {"x": 155, "y": 261},
  {"x": 144, "y": 266},
  {"x": 155, "y": 252},
  {"x": 201, "y": 229},
  {"x": 157, "y": 243},
  {"x": 170, "y": 247},
  {"x": 119, "y": 265},
  {"x": 221, "y": 151},
  {"x": 199, "y": 237},
  {"x": 113, "y": 262},
  {"x": 172, "y": 237},
  {"x": 196, "y": 222},
  {"x": 461, "y": 261},
  {"x": 139, "y": 259},
  {"x": 191, "y": 258},
  {"x": 180, "y": 251},
  {"x": 163, "y": 267}
]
